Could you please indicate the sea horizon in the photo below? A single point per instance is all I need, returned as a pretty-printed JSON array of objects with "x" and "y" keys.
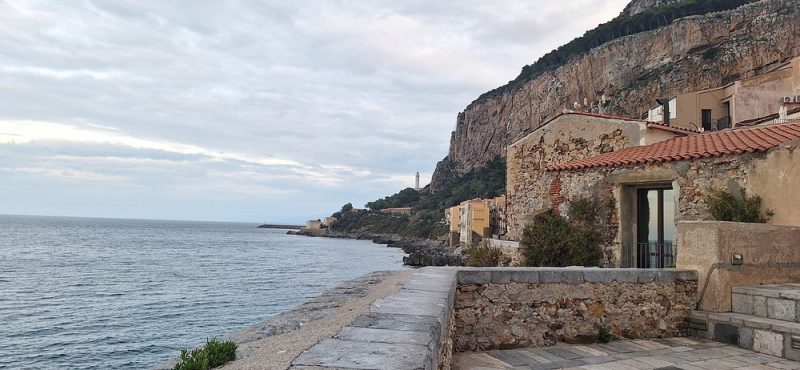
[{"x": 96, "y": 293}]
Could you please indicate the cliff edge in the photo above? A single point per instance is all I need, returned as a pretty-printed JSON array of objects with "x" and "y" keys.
[{"x": 689, "y": 54}]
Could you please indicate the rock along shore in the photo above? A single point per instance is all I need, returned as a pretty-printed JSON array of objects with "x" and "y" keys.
[{"x": 421, "y": 252}]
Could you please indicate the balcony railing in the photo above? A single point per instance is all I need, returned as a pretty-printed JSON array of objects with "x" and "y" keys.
[{"x": 648, "y": 255}]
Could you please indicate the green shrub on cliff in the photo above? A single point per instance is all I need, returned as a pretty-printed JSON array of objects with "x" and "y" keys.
[
  {"x": 214, "y": 353},
  {"x": 553, "y": 241},
  {"x": 426, "y": 222},
  {"x": 727, "y": 206}
]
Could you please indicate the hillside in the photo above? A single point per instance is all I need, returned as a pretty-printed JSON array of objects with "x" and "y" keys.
[{"x": 669, "y": 55}]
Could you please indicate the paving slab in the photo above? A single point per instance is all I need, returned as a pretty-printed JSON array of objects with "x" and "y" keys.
[
  {"x": 364, "y": 355},
  {"x": 693, "y": 354}
]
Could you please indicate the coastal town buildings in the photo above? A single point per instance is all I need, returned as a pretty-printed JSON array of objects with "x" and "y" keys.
[
  {"x": 737, "y": 102},
  {"x": 476, "y": 219}
]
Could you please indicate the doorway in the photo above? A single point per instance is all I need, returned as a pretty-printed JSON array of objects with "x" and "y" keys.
[{"x": 655, "y": 223}]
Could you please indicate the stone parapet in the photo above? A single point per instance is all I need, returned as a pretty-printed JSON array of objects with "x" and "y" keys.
[
  {"x": 501, "y": 308},
  {"x": 410, "y": 329}
]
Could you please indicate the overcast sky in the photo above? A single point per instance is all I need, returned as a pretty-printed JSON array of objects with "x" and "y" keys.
[{"x": 251, "y": 111}]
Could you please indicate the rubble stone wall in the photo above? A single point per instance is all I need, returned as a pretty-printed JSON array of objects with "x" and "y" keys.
[{"x": 515, "y": 308}]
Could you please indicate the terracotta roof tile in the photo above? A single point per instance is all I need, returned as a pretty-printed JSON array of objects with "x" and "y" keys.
[{"x": 707, "y": 145}]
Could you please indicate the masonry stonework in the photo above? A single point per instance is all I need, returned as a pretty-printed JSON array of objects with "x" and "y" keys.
[
  {"x": 568, "y": 137},
  {"x": 540, "y": 307}
]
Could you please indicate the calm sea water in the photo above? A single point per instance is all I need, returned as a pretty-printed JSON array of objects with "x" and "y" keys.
[{"x": 80, "y": 293}]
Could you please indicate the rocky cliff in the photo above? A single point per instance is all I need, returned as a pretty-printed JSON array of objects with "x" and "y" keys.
[{"x": 690, "y": 54}]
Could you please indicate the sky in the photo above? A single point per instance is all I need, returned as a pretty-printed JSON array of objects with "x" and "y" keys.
[{"x": 252, "y": 111}]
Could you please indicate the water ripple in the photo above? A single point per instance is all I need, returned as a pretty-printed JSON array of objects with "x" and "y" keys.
[{"x": 126, "y": 294}]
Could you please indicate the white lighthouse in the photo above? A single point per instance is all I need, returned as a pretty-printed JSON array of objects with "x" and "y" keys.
[{"x": 416, "y": 183}]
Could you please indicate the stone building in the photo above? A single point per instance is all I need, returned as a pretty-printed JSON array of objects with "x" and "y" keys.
[
  {"x": 740, "y": 101},
  {"x": 567, "y": 137},
  {"x": 643, "y": 191}
]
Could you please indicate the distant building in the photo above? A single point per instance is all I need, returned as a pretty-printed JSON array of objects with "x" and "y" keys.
[
  {"x": 416, "y": 183},
  {"x": 740, "y": 101},
  {"x": 313, "y": 224},
  {"x": 400, "y": 211},
  {"x": 497, "y": 208},
  {"x": 475, "y": 221},
  {"x": 452, "y": 217},
  {"x": 328, "y": 221}
]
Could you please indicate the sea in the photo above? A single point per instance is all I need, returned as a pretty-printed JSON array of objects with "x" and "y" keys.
[{"x": 92, "y": 293}]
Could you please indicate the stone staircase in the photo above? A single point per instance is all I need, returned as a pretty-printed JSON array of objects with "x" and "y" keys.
[{"x": 765, "y": 318}]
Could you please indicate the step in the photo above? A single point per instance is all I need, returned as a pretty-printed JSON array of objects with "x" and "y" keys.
[
  {"x": 760, "y": 334},
  {"x": 778, "y": 301}
]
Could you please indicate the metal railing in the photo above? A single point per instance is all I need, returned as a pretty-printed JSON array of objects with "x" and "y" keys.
[
  {"x": 723, "y": 123},
  {"x": 648, "y": 255}
]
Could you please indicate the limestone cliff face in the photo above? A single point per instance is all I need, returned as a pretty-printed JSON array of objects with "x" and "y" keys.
[{"x": 691, "y": 54}]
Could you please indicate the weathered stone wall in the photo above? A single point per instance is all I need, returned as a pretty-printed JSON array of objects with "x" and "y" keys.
[
  {"x": 513, "y": 308},
  {"x": 568, "y": 137},
  {"x": 631, "y": 71}
]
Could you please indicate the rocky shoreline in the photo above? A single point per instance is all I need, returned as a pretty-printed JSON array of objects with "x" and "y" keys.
[{"x": 421, "y": 252}]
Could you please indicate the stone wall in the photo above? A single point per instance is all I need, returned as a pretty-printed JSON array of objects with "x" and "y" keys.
[
  {"x": 568, "y": 137},
  {"x": 613, "y": 189},
  {"x": 512, "y": 308},
  {"x": 769, "y": 256}
]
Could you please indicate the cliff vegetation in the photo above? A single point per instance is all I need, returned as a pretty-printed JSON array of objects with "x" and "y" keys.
[
  {"x": 428, "y": 208},
  {"x": 624, "y": 25}
]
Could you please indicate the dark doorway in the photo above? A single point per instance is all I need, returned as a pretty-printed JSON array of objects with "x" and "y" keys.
[
  {"x": 655, "y": 220},
  {"x": 706, "y": 119}
]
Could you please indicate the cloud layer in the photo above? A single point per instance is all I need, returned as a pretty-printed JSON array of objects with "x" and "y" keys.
[{"x": 248, "y": 110}]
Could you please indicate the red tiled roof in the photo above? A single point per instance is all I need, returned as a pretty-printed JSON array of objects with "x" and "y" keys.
[
  {"x": 670, "y": 128},
  {"x": 707, "y": 145},
  {"x": 760, "y": 120},
  {"x": 650, "y": 124}
]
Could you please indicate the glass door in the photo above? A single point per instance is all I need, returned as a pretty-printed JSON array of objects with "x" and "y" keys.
[{"x": 655, "y": 228}]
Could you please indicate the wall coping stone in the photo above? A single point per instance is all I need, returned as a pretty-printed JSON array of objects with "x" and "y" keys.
[{"x": 571, "y": 275}]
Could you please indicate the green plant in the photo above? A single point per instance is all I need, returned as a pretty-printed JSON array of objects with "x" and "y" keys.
[
  {"x": 484, "y": 255},
  {"x": 552, "y": 240},
  {"x": 214, "y": 353},
  {"x": 727, "y": 206},
  {"x": 604, "y": 335}
]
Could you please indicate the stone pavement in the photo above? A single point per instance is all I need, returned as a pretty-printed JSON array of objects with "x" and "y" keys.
[{"x": 661, "y": 354}]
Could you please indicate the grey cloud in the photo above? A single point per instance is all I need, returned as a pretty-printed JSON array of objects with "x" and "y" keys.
[{"x": 361, "y": 93}]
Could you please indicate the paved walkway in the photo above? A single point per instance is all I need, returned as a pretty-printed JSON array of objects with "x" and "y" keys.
[{"x": 662, "y": 354}]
